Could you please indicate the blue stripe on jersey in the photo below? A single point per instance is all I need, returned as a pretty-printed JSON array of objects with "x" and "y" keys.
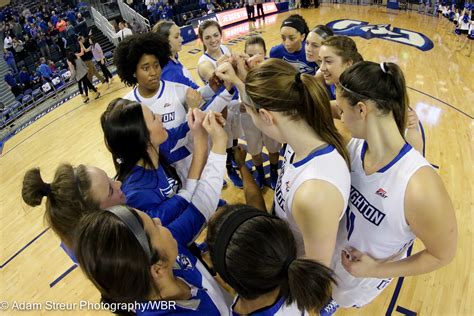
[
  {"x": 173, "y": 71},
  {"x": 406, "y": 148},
  {"x": 332, "y": 91},
  {"x": 265, "y": 311},
  {"x": 162, "y": 87},
  {"x": 322, "y": 151},
  {"x": 200, "y": 303},
  {"x": 222, "y": 51}
]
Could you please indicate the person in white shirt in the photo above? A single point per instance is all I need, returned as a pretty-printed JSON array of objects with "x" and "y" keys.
[{"x": 124, "y": 31}]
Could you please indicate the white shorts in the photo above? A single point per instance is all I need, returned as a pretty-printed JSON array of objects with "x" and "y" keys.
[
  {"x": 351, "y": 291},
  {"x": 255, "y": 138},
  {"x": 232, "y": 126}
]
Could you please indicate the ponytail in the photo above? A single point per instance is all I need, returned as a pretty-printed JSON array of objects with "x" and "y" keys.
[
  {"x": 68, "y": 197},
  {"x": 234, "y": 237},
  {"x": 383, "y": 83},
  {"x": 277, "y": 86},
  {"x": 308, "y": 284}
]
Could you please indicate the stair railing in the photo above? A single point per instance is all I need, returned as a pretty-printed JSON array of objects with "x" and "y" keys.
[
  {"x": 104, "y": 26},
  {"x": 130, "y": 15}
]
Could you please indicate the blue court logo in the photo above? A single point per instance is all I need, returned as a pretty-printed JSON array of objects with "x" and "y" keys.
[{"x": 381, "y": 31}]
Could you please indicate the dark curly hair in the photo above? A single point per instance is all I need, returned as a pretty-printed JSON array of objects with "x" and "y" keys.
[{"x": 131, "y": 49}]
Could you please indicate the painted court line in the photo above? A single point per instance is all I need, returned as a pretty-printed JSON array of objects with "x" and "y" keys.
[{"x": 23, "y": 248}]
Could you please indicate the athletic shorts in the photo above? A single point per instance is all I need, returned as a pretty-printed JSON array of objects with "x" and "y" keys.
[
  {"x": 255, "y": 138},
  {"x": 232, "y": 126}
]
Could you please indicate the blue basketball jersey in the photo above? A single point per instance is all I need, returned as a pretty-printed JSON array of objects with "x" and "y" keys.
[{"x": 297, "y": 59}]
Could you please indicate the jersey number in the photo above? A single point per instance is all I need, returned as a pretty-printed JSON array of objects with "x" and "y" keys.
[{"x": 350, "y": 221}]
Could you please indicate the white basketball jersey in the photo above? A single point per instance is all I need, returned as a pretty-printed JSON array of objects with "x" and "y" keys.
[
  {"x": 375, "y": 221},
  {"x": 206, "y": 57},
  {"x": 324, "y": 164},
  {"x": 169, "y": 102}
]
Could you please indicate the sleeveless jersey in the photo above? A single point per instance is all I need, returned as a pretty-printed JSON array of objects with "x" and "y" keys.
[
  {"x": 374, "y": 222},
  {"x": 169, "y": 102},
  {"x": 324, "y": 164},
  {"x": 207, "y": 57}
]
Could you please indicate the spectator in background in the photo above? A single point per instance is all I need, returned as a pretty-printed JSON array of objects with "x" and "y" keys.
[
  {"x": 31, "y": 46},
  {"x": 54, "y": 18},
  {"x": 71, "y": 35},
  {"x": 81, "y": 26},
  {"x": 25, "y": 78},
  {"x": 71, "y": 16},
  {"x": 86, "y": 55},
  {"x": 260, "y": 9},
  {"x": 14, "y": 86},
  {"x": 52, "y": 66},
  {"x": 44, "y": 70},
  {"x": 100, "y": 59},
  {"x": 61, "y": 27},
  {"x": 42, "y": 25},
  {"x": 43, "y": 46},
  {"x": 10, "y": 60},
  {"x": 8, "y": 42},
  {"x": 124, "y": 31},
  {"x": 249, "y": 6},
  {"x": 36, "y": 80},
  {"x": 19, "y": 48},
  {"x": 137, "y": 27},
  {"x": 17, "y": 30},
  {"x": 79, "y": 71}
]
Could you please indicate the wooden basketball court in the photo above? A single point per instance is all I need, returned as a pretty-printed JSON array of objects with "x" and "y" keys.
[{"x": 34, "y": 269}]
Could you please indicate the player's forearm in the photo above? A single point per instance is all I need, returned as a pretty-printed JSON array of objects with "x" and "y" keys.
[
  {"x": 199, "y": 157},
  {"x": 419, "y": 263},
  {"x": 253, "y": 194}
]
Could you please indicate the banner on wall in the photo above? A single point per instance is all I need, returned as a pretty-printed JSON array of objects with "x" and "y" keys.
[
  {"x": 188, "y": 34},
  {"x": 392, "y": 4},
  {"x": 195, "y": 22},
  {"x": 238, "y": 15}
]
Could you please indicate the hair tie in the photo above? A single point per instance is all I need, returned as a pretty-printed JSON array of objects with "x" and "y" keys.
[
  {"x": 382, "y": 66},
  {"x": 298, "y": 78},
  {"x": 287, "y": 263},
  {"x": 46, "y": 189}
]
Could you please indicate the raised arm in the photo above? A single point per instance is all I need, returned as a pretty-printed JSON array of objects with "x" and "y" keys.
[{"x": 253, "y": 194}]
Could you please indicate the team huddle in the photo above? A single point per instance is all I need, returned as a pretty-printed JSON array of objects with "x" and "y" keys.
[{"x": 351, "y": 195}]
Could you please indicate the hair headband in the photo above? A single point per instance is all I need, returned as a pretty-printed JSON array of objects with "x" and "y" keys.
[
  {"x": 321, "y": 32},
  {"x": 295, "y": 23},
  {"x": 133, "y": 224},
  {"x": 226, "y": 232}
]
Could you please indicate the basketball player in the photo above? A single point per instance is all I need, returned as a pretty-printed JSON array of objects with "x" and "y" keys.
[
  {"x": 139, "y": 60},
  {"x": 142, "y": 152},
  {"x": 337, "y": 54},
  {"x": 313, "y": 186},
  {"x": 76, "y": 191},
  {"x": 396, "y": 196},
  {"x": 210, "y": 34},
  {"x": 314, "y": 41},
  {"x": 175, "y": 71},
  {"x": 255, "y": 45},
  {"x": 277, "y": 282},
  {"x": 293, "y": 33}
]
